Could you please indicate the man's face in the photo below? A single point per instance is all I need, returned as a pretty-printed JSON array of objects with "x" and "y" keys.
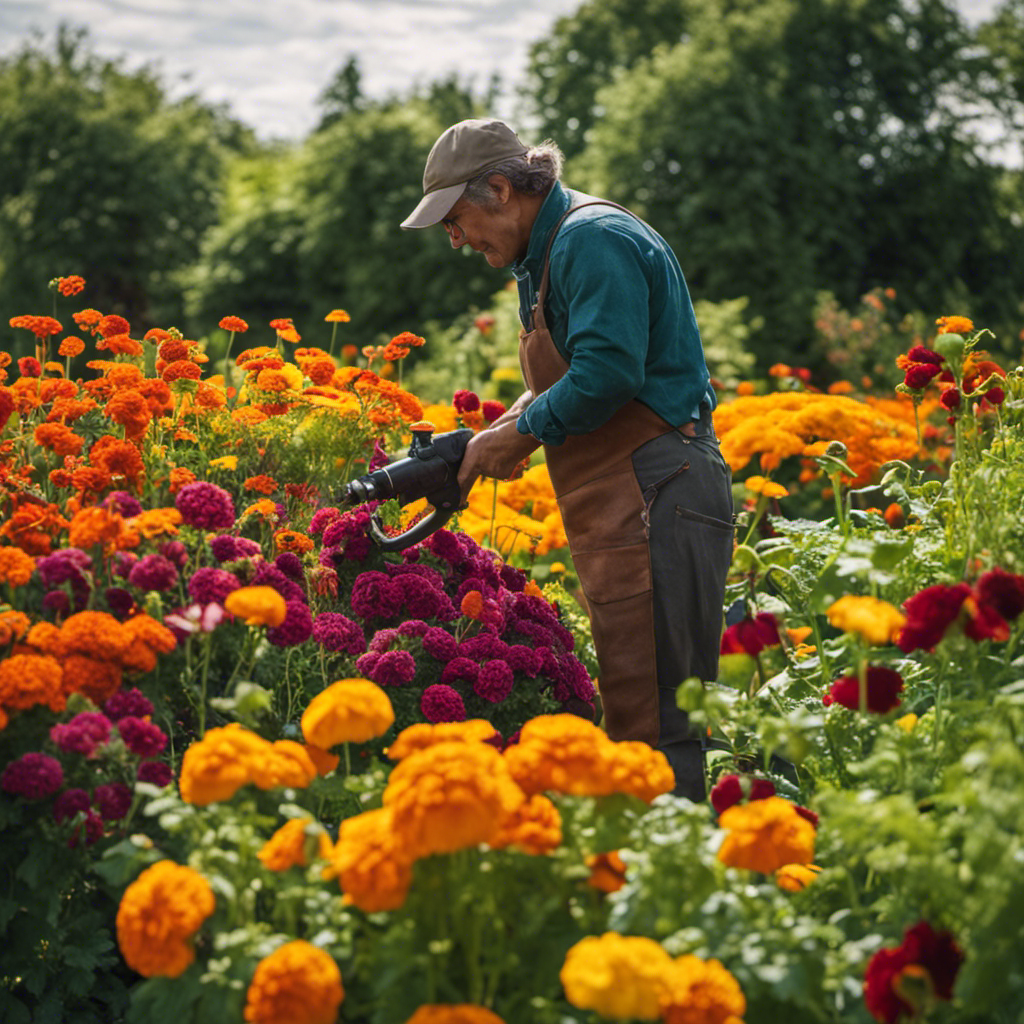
[{"x": 493, "y": 231}]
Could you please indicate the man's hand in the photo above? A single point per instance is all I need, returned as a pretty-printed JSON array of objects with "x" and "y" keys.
[
  {"x": 495, "y": 452},
  {"x": 515, "y": 410}
]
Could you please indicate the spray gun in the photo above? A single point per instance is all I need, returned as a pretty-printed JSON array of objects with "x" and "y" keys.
[{"x": 430, "y": 471}]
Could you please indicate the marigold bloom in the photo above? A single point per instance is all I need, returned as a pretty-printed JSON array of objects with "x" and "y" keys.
[
  {"x": 94, "y": 634},
  {"x": 878, "y": 622},
  {"x": 324, "y": 762},
  {"x": 535, "y": 827},
  {"x": 112, "y": 324},
  {"x": 295, "y": 844},
  {"x": 258, "y": 606},
  {"x": 13, "y": 626},
  {"x": 41, "y": 326},
  {"x": 292, "y": 540},
  {"x": 422, "y": 735},
  {"x": 297, "y": 984},
  {"x": 217, "y": 766},
  {"x": 98, "y": 526},
  {"x": 701, "y": 992},
  {"x": 893, "y": 989},
  {"x": 765, "y": 835},
  {"x": 71, "y": 347},
  {"x": 562, "y": 753},
  {"x": 29, "y": 679},
  {"x": 286, "y": 763},
  {"x": 794, "y": 877},
  {"x": 261, "y": 484},
  {"x": 619, "y": 976},
  {"x": 16, "y": 567},
  {"x": 454, "y": 1013},
  {"x": 607, "y": 871},
  {"x": 336, "y": 316},
  {"x": 96, "y": 679},
  {"x": 87, "y": 317},
  {"x": 159, "y": 913},
  {"x": 235, "y": 324},
  {"x": 70, "y": 285},
  {"x": 118, "y": 458},
  {"x": 181, "y": 369},
  {"x": 374, "y": 868},
  {"x": 450, "y": 796},
  {"x": 120, "y": 345},
  {"x": 348, "y": 711},
  {"x": 765, "y": 488},
  {"x": 954, "y": 325}
]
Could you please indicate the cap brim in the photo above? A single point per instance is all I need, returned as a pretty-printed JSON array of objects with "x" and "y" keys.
[{"x": 433, "y": 207}]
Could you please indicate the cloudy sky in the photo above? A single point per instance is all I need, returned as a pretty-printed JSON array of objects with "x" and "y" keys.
[{"x": 269, "y": 59}]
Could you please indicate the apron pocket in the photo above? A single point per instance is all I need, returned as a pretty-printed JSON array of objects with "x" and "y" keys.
[
  {"x": 603, "y": 513},
  {"x": 697, "y": 517}
]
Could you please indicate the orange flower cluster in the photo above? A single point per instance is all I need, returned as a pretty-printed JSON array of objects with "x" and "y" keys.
[
  {"x": 297, "y": 984},
  {"x": 97, "y": 526},
  {"x": 225, "y": 759},
  {"x": 535, "y": 827},
  {"x": 234, "y": 324},
  {"x": 765, "y": 835},
  {"x": 295, "y": 844},
  {"x": 262, "y": 484},
  {"x": 16, "y": 567},
  {"x": 385, "y": 403},
  {"x": 32, "y": 526},
  {"x": 373, "y": 866},
  {"x": 292, "y": 540},
  {"x": 401, "y": 345},
  {"x": 454, "y": 1013},
  {"x": 42, "y": 327},
  {"x": 28, "y": 679},
  {"x": 159, "y": 914}
]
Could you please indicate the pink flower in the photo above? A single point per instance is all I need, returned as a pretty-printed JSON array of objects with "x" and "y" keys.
[
  {"x": 83, "y": 734},
  {"x": 494, "y": 681},
  {"x": 206, "y": 506},
  {"x": 113, "y": 801},
  {"x": 33, "y": 776},
  {"x": 141, "y": 737},
  {"x": 441, "y": 703},
  {"x": 196, "y": 618}
]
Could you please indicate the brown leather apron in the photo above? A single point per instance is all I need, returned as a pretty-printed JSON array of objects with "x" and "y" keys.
[{"x": 602, "y": 507}]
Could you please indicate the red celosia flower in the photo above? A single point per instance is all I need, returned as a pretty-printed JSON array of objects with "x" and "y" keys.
[
  {"x": 899, "y": 983},
  {"x": 1002, "y": 591},
  {"x": 883, "y": 688},
  {"x": 465, "y": 401},
  {"x": 919, "y": 375},
  {"x": 950, "y": 398},
  {"x": 731, "y": 789},
  {"x": 751, "y": 635},
  {"x": 29, "y": 366},
  {"x": 921, "y": 354},
  {"x": 930, "y": 612},
  {"x": 492, "y": 411}
]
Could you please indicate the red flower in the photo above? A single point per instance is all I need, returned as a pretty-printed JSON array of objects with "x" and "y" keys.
[
  {"x": 112, "y": 324},
  {"x": 904, "y": 980},
  {"x": 930, "y": 612},
  {"x": 921, "y": 354},
  {"x": 883, "y": 688},
  {"x": 950, "y": 398},
  {"x": 920, "y": 375},
  {"x": 493, "y": 411},
  {"x": 732, "y": 789},
  {"x": 465, "y": 401},
  {"x": 1002, "y": 591},
  {"x": 29, "y": 366},
  {"x": 994, "y": 396},
  {"x": 751, "y": 635}
]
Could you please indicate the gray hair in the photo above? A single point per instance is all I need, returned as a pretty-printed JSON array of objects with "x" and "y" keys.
[{"x": 532, "y": 174}]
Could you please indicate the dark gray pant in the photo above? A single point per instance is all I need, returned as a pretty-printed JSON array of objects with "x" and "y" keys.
[{"x": 687, "y": 486}]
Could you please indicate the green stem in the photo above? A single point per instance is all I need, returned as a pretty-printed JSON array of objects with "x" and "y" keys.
[
  {"x": 203, "y": 686},
  {"x": 227, "y": 362},
  {"x": 334, "y": 334},
  {"x": 762, "y": 504}
]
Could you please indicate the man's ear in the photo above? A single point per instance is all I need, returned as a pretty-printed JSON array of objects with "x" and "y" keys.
[{"x": 501, "y": 187}]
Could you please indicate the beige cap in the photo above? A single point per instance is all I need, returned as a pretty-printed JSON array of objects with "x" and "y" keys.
[{"x": 463, "y": 152}]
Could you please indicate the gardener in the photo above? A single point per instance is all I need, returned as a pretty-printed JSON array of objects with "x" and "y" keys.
[{"x": 620, "y": 397}]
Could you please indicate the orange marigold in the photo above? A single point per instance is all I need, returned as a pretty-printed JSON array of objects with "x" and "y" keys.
[
  {"x": 118, "y": 458},
  {"x": 155, "y": 522},
  {"x": 297, "y": 984},
  {"x": 71, "y": 347},
  {"x": 131, "y": 410},
  {"x": 258, "y": 606},
  {"x": 423, "y": 735},
  {"x": 70, "y": 285},
  {"x": 215, "y": 767},
  {"x": 95, "y": 634},
  {"x": 32, "y": 527},
  {"x": 638, "y": 769},
  {"x": 607, "y": 871},
  {"x": 701, "y": 992},
  {"x": 563, "y": 753},
  {"x": 95, "y": 679},
  {"x": 765, "y": 835},
  {"x": 324, "y": 762},
  {"x": 181, "y": 369},
  {"x": 535, "y": 827},
  {"x": 156, "y": 335},
  {"x": 454, "y": 1013},
  {"x": 40, "y": 326},
  {"x": 146, "y": 639},
  {"x": 16, "y": 567},
  {"x": 320, "y": 371},
  {"x": 373, "y": 867},
  {"x": 295, "y": 844},
  {"x": 336, "y": 316},
  {"x": 13, "y": 626},
  {"x": 954, "y": 325},
  {"x": 179, "y": 477},
  {"x": 292, "y": 540},
  {"x": 100, "y": 526},
  {"x": 87, "y": 318},
  {"x": 120, "y": 345},
  {"x": 30, "y": 679},
  {"x": 159, "y": 913},
  {"x": 262, "y": 484},
  {"x": 348, "y": 711},
  {"x": 112, "y": 324},
  {"x": 235, "y": 324},
  {"x": 286, "y": 763}
]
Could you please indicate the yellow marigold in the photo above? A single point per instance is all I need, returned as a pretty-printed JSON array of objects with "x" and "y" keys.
[
  {"x": 764, "y": 487},
  {"x": 297, "y": 984},
  {"x": 450, "y": 796},
  {"x": 638, "y": 769},
  {"x": 264, "y": 508},
  {"x": 878, "y": 622},
  {"x": 794, "y": 877},
  {"x": 292, "y": 540},
  {"x": 423, "y": 735},
  {"x": 337, "y": 316},
  {"x": 765, "y": 835},
  {"x": 907, "y": 722},
  {"x": 701, "y": 992},
  {"x": 217, "y": 766},
  {"x": 619, "y": 976},
  {"x": 607, "y": 871},
  {"x": 563, "y": 753},
  {"x": 16, "y": 567},
  {"x": 454, "y": 1013},
  {"x": 258, "y": 606},
  {"x": 374, "y": 868},
  {"x": 348, "y": 711},
  {"x": 154, "y": 522},
  {"x": 295, "y": 844},
  {"x": 159, "y": 913},
  {"x": 535, "y": 827},
  {"x": 286, "y": 763},
  {"x": 29, "y": 679},
  {"x": 229, "y": 462},
  {"x": 954, "y": 325}
]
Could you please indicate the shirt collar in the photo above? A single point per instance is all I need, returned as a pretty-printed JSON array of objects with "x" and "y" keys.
[{"x": 555, "y": 204}]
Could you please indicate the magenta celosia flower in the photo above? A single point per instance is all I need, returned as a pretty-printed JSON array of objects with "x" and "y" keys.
[
  {"x": 124, "y": 504},
  {"x": 224, "y": 548},
  {"x": 447, "y": 546},
  {"x": 420, "y": 599},
  {"x": 394, "y": 668},
  {"x": 382, "y": 640},
  {"x": 575, "y": 673},
  {"x": 379, "y": 457},
  {"x": 33, "y": 776},
  {"x": 290, "y": 565},
  {"x": 365, "y": 663},
  {"x": 268, "y": 575},
  {"x": 153, "y": 572},
  {"x": 113, "y": 801},
  {"x": 141, "y": 737},
  {"x": 921, "y": 354},
  {"x": 337, "y": 632},
  {"x": 1003, "y": 591},
  {"x": 950, "y": 398},
  {"x": 322, "y": 518},
  {"x": 156, "y": 773},
  {"x": 441, "y": 703},
  {"x": 494, "y": 681},
  {"x": 122, "y": 563},
  {"x": 69, "y": 804},
  {"x": 63, "y": 566},
  {"x": 175, "y": 552},
  {"x": 460, "y": 668},
  {"x": 131, "y": 702},
  {"x": 375, "y": 596},
  {"x": 521, "y": 658},
  {"x": 733, "y": 789},
  {"x": 413, "y": 627},
  {"x": 90, "y": 830},
  {"x": 297, "y": 627},
  {"x": 205, "y": 506},
  {"x": 211, "y": 586},
  {"x": 883, "y": 687},
  {"x": 440, "y": 644},
  {"x": 120, "y": 602},
  {"x": 483, "y": 647},
  {"x": 83, "y": 734},
  {"x": 513, "y": 579}
]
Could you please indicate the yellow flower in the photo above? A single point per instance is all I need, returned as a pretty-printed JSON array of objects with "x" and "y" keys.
[
  {"x": 954, "y": 325},
  {"x": 701, "y": 992},
  {"x": 764, "y": 487},
  {"x": 878, "y": 622},
  {"x": 765, "y": 835},
  {"x": 638, "y": 769},
  {"x": 225, "y": 462},
  {"x": 907, "y": 722},
  {"x": 535, "y": 827},
  {"x": 423, "y": 735},
  {"x": 217, "y": 766},
  {"x": 159, "y": 913},
  {"x": 286, "y": 763},
  {"x": 794, "y": 877},
  {"x": 348, "y": 711},
  {"x": 619, "y": 976},
  {"x": 373, "y": 867},
  {"x": 295, "y": 844},
  {"x": 337, "y": 316},
  {"x": 450, "y": 796},
  {"x": 562, "y": 753},
  {"x": 454, "y": 1013},
  {"x": 557, "y": 567},
  {"x": 297, "y": 984},
  {"x": 258, "y": 606}
]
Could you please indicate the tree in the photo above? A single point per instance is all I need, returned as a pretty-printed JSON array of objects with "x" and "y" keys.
[
  {"x": 101, "y": 175},
  {"x": 792, "y": 146}
]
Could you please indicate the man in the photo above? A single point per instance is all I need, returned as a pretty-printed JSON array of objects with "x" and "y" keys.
[{"x": 620, "y": 397}]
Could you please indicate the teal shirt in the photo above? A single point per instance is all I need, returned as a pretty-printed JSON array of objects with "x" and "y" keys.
[{"x": 620, "y": 314}]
